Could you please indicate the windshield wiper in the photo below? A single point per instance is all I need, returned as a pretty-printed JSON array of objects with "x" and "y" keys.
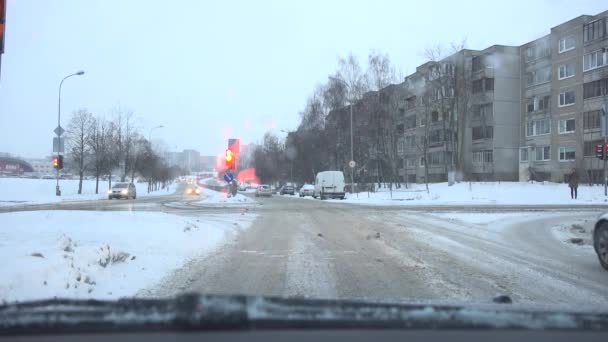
[{"x": 210, "y": 312}]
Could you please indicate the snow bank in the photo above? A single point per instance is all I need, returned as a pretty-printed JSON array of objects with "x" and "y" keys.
[
  {"x": 514, "y": 193},
  {"x": 80, "y": 254},
  {"x": 21, "y": 190}
]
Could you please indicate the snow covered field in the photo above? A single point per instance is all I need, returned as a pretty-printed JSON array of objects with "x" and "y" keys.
[
  {"x": 21, "y": 190},
  {"x": 464, "y": 193},
  {"x": 52, "y": 253}
]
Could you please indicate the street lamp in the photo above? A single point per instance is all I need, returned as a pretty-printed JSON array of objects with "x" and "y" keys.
[
  {"x": 150, "y": 133},
  {"x": 59, "y": 130}
]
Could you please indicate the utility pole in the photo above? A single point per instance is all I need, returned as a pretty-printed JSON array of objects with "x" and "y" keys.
[{"x": 605, "y": 134}]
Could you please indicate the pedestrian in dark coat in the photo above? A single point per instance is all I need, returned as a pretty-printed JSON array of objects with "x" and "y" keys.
[{"x": 573, "y": 184}]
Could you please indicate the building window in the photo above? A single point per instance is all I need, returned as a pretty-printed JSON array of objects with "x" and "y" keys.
[
  {"x": 483, "y": 157},
  {"x": 410, "y": 162},
  {"x": 421, "y": 161},
  {"x": 595, "y": 59},
  {"x": 410, "y": 141},
  {"x": 537, "y": 103},
  {"x": 436, "y": 136},
  {"x": 589, "y": 147},
  {"x": 477, "y": 86},
  {"x": 401, "y": 112},
  {"x": 482, "y": 132},
  {"x": 566, "y": 98},
  {"x": 410, "y": 122},
  {"x": 423, "y": 120},
  {"x": 592, "y": 119},
  {"x": 538, "y": 127},
  {"x": 434, "y": 116},
  {"x": 539, "y": 50},
  {"x": 523, "y": 154},
  {"x": 567, "y": 153},
  {"x": 543, "y": 153},
  {"x": 542, "y": 75},
  {"x": 400, "y": 129},
  {"x": 567, "y": 44},
  {"x": 565, "y": 71},
  {"x": 477, "y": 63},
  {"x": 410, "y": 102},
  {"x": 595, "y": 88},
  {"x": 400, "y": 146},
  {"x": 594, "y": 30},
  {"x": 566, "y": 126},
  {"x": 489, "y": 84}
]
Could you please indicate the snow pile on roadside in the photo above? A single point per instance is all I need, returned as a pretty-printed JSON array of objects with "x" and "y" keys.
[
  {"x": 22, "y": 190},
  {"x": 80, "y": 254},
  {"x": 217, "y": 197},
  {"x": 464, "y": 193}
]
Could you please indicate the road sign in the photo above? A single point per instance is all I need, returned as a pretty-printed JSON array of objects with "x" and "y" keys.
[
  {"x": 59, "y": 130},
  {"x": 228, "y": 177},
  {"x": 352, "y": 164},
  {"x": 58, "y": 145}
]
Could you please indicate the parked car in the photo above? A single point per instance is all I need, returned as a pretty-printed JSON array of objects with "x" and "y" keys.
[
  {"x": 122, "y": 190},
  {"x": 600, "y": 240},
  {"x": 263, "y": 190},
  {"x": 288, "y": 190},
  {"x": 329, "y": 184},
  {"x": 307, "y": 190},
  {"x": 48, "y": 177}
]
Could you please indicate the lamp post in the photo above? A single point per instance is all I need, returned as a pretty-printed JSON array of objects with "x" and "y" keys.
[
  {"x": 58, "y": 130},
  {"x": 150, "y": 133}
]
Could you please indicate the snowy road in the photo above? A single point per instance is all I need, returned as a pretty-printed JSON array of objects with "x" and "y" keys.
[{"x": 329, "y": 250}]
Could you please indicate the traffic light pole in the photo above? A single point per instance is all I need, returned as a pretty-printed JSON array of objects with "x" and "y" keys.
[{"x": 605, "y": 152}]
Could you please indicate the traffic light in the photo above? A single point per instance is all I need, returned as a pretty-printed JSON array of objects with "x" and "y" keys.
[
  {"x": 229, "y": 159},
  {"x": 58, "y": 162},
  {"x": 599, "y": 151}
]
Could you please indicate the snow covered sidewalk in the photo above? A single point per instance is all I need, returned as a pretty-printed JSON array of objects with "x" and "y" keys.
[
  {"x": 80, "y": 254},
  {"x": 465, "y": 193},
  {"x": 20, "y": 190}
]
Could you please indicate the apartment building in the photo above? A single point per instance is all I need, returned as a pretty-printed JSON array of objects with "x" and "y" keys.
[
  {"x": 502, "y": 113},
  {"x": 563, "y": 86}
]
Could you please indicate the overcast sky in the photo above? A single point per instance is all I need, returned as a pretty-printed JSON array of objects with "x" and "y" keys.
[{"x": 208, "y": 70}]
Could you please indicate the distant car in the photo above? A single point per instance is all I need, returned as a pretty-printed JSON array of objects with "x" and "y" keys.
[
  {"x": 287, "y": 190},
  {"x": 600, "y": 240},
  {"x": 48, "y": 177},
  {"x": 307, "y": 190},
  {"x": 122, "y": 190},
  {"x": 193, "y": 190},
  {"x": 263, "y": 190},
  {"x": 242, "y": 187}
]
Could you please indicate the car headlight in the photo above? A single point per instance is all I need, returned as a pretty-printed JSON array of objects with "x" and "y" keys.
[
  {"x": 189, "y": 191},
  {"x": 198, "y": 191},
  {"x": 109, "y": 192},
  {"x": 124, "y": 191}
]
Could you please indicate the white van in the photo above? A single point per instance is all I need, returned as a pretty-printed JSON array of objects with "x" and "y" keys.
[{"x": 329, "y": 184}]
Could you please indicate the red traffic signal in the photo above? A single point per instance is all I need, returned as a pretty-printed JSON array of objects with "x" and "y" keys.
[
  {"x": 229, "y": 159},
  {"x": 600, "y": 151},
  {"x": 58, "y": 162}
]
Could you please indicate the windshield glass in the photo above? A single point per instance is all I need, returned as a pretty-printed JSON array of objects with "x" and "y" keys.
[{"x": 447, "y": 152}]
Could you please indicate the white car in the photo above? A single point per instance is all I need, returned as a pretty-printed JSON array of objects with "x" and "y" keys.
[
  {"x": 329, "y": 184},
  {"x": 600, "y": 240},
  {"x": 307, "y": 190},
  {"x": 122, "y": 190},
  {"x": 263, "y": 190}
]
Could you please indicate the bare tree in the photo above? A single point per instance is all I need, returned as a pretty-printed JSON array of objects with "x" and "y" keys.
[
  {"x": 334, "y": 94},
  {"x": 351, "y": 74},
  {"x": 78, "y": 132},
  {"x": 380, "y": 72},
  {"x": 124, "y": 139},
  {"x": 99, "y": 142}
]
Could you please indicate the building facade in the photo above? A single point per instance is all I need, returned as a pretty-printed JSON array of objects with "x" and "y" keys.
[
  {"x": 503, "y": 113},
  {"x": 564, "y": 85}
]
